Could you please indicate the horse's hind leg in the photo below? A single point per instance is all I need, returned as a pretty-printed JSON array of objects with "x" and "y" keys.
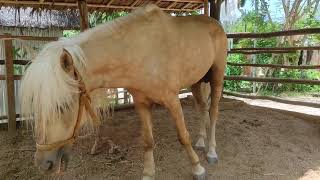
[
  {"x": 174, "y": 106},
  {"x": 143, "y": 107},
  {"x": 200, "y": 93},
  {"x": 216, "y": 92}
]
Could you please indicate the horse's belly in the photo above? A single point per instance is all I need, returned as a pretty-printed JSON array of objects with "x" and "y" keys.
[{"x": 195, "y": 67}]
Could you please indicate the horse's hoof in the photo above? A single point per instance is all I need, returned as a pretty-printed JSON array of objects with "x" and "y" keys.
[
  {"x": 200, "y": 145},
  {"x": 212, "y": 160},
  {"x": 199, "y": 173},
  {"x": 148, "y": 178},
  {"x": 200, "y": 148},
  {"x": 212, "y": 157},
  {"x": 200, "y": 176}
]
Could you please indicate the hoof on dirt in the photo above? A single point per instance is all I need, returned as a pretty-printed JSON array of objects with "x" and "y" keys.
[
  {"x": 200, "y": 148},
  {"x": 200, "y": 176},
  {"x": 200, "y": 145},
  {"x": 148, "y": 178},
  {"x": 212, "y": 160}
]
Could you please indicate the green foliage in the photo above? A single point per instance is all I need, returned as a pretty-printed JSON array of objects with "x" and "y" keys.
[
  {"x": 235, "y": 71},
  {"x": 299, "y": 74},
  {"x": 18, "y": 53},
  {"x": 70, "y": 33},
  {"x": 95, "y": 19},
  {"x": 309, "y": 21},
  {"x": 251, "y": 22}
]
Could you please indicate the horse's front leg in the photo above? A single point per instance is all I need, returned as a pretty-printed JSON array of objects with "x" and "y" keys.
[
  {"x": 174, "y": 106},
  {"x": 144, "y": 110},
  {"x": 97, "y": 139}
]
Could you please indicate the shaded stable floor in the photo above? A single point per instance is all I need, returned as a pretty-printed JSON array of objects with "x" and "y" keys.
[{"x": 252, "y": 143}]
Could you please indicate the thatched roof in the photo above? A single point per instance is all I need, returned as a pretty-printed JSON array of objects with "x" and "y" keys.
[
  {"x": 107, "y": 5},
  {"x": 28, "y": 17}
]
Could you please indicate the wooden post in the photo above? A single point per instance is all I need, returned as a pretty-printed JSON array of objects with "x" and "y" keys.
[
  {"x": 84, "y": 19},
  {"x": 125, "y": 96},
  {"x": 206, "y": 8},
  {"x": 215, "y": 6},
  {"x": 11, "y": 112}
]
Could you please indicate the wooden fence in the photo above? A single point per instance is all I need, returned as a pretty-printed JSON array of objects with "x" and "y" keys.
[
  {"x": 273, "y": 50},
  {"x": 10, "y": 77}
]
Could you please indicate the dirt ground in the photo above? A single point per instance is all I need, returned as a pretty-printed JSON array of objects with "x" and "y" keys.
[{"x": 253, "y": 143}]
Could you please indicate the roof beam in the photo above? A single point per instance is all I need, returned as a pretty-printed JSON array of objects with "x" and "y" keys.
[
  {"x": 75, "y": 5},
  {"x": 186, "y": 5},
  {"x": 134, "y": 3},
  {"x": 109, "y": 3},
  {"x": 171, "y": 5},
  {"x": 197, "y": 7}
]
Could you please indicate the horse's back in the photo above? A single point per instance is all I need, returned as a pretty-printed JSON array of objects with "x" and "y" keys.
[{"x": 182, "y": 49}]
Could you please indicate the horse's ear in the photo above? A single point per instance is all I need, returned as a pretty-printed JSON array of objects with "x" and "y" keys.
[{"x": 66, "y": 61}]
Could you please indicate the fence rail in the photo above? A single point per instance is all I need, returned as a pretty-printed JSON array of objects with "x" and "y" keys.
[
  {"x": 28, "y": 38},
  {"x": 10, "y": 77},
  {"x": 261, "y": 51},
  {"x": 18, "y": 62},
  {"x": 274, "y": 34},
  {"x": 279, "y": 48},
  {"x": 15, "y": 77},
  {"x": 274, "y": 80},
  {"x": 276, "y": 65}
]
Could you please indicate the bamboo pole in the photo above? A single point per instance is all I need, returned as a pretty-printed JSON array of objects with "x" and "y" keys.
[
  {"x": 15, "y": 77},
  {"x": 206, "y": 8},
  {"x": 275, "y": 66},
  {"x": 19, "y": 62},
  {"x": 171, "y": 5},
  {"x": 30, "y": 38},
  {"x": 261, "y": 52},
  {"x": 275, "y": 80},
  {"x": 125, "y": 96},
  {"x": 6, "y": 117},
  {"x": 278, "y": 48},
  {"x": 274, "y": 34},
  {"x": 83, "y": 10},
  {"x": 58, "y": 5},
  {"x": 10, "y": 100},
  {"x": 134, "y": 3}
]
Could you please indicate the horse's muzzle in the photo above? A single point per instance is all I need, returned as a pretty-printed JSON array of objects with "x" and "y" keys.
[{"x": 55, "y": 161}]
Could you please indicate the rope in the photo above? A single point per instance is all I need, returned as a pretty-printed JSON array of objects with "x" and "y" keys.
[{"x": 84, "y": 102}]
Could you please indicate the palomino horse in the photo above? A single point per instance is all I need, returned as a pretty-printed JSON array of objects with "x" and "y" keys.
[{"x": 148, "y": 52}]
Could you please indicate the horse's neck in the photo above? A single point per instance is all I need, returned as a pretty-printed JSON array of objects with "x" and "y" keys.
[{"x": 102, "y": 67}]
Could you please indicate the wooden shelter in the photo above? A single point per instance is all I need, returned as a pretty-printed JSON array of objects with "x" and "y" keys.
[
  {"x": 23, "y": 22},
  {"x": 107, "y": 5},
  {"x": 83, "y": 7}
]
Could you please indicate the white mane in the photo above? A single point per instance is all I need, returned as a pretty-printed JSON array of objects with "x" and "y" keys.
[{"x": 46, "y": 86}]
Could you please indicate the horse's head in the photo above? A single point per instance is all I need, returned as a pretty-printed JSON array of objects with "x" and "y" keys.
[{"x": 53, "y": 94}]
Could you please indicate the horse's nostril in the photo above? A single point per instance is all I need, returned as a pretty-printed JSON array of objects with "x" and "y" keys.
[{"x": 47, "y": 166}]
